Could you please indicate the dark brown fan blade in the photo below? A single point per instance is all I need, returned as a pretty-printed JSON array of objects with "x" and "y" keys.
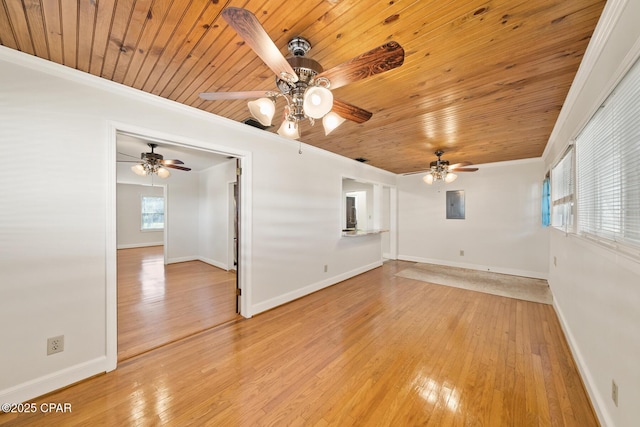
[
  {"x": 376, "y": 61},
  {"x": 249, "y": 28},
  {"x": 216, "y": 96},
  {"x": 463, "y": 170},
  {"x": 350, "y": 112},
  {"x": 172, "y": 162},
  {"x": 177, "y": 167}
]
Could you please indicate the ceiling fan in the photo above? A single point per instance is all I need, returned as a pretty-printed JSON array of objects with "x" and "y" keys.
[
  {"x": 302, "y": 81},
  {"x": 441, "y": 170},
  {"x": 154, "y": 163}
]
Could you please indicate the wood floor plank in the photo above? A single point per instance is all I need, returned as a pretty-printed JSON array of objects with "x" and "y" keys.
[
  {"x": 158, "y": 303},
  {"x": 372, "y": 350}
]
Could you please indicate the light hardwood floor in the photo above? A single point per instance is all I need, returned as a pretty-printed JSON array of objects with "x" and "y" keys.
[
  {"x": 375, "y": 350},
  {"x": 159, "y": 304}
]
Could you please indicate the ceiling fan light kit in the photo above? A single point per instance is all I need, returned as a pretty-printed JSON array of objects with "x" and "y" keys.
[
  {"x": 147, "y": 169},
  {"x": 441, "y": 170},
  {"x": 289, "y": 129},
  {"x": 331, "y": 121},
  {"x": 302, "y": 81},
  {"x": 318, "y": 101},
  {"x": 262, "y": 110}
]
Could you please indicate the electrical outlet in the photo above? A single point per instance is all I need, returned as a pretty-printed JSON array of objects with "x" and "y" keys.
[
  {"x": 461, "y": 252},
  {"x": 55, "y": 345},
  {"x": 326, "y": 268},
  {"x": 614, "y": 392}
]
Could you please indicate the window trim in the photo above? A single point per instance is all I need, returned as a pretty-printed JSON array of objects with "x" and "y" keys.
[{"x": 570, "y": 225}]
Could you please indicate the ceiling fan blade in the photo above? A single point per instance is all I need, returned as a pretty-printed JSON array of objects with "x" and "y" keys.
[
  {"x": 177, "y": 167},
  {"x": 459, "y": 165},
  {"x": 129, "y": 155},
  {"x": 172, "y": 162},
  {"x": 216, "y": 96},
  {"x": 350, "y": 112},
  {"x": 382, "y": 58},
  {"x": 416, "y": 173},
  {"x": 249, "y": 28},
  {"x": 463, "y": 170}
]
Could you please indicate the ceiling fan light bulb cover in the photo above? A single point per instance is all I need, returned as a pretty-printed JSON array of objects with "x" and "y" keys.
[
  {"x": 318, "y": 101},
  {"x": 428, "y": 178},
  {"x": 289, "y": 129},
  {"x": 262, "y": 110},
  {"x": 331, "y": 121},
  {"x": 450, "y": 177},
  {"x": 163, "y": 173},
  {"x": 139, "y": 170}
]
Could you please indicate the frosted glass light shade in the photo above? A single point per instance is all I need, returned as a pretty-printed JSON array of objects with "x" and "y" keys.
[
  {"x": 428, "y": 178},
  {"x": 450, "y": 177},
  {"x": 139, "y": 170},
  {"x": 262, "y": 110},
  {"x": 318, "y": 101},
  {"x": 331, "y": 121},
  {"x": 163, "y": 173},
  {"x": 289, "y": 129}
]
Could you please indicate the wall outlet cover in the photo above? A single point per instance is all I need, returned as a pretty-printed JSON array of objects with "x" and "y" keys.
[{"x": 55, "y": 345}]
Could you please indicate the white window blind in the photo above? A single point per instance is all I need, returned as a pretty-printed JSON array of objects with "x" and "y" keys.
[
  {"x": 608, "y": 167},
  {"x": 562, "y": 193}
]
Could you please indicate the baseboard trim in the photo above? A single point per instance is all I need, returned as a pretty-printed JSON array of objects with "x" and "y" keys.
[
  {"x": 182, "y": 259},
  {"x": 139, "y": 245},
  {"x": 596, "y": 399},
  {"x": 46, "y": 384},
  {"x": 214, "y": 263},
  {"x": 209, "y": 261},
  {"x": 502, "y": 270},
  {"x": 299, "y": 293}
]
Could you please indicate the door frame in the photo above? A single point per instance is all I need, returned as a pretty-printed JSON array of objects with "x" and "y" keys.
[{"x": 244, "y": 222}]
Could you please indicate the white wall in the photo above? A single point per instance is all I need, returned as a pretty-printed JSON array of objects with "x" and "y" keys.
[
  {"x": 128, "y": 203},
  {"x": 501, "y": 231},
  {"x": 215, "y": 220},
  {"x": 56, "y": 273},
  {"x": 597, "y": 291},
  {"x": 385, "y": 221}
]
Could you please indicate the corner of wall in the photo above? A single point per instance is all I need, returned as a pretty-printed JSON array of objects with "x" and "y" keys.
[{"x": 314, "y": 287}]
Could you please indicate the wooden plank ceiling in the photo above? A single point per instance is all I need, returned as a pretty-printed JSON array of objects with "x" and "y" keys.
[{"x": 483, "y": 80}]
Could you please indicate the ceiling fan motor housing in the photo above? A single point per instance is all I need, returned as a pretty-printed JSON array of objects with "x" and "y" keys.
[
  {"x": 439, "y": 164},
  {"x": 152, "y": 158}
]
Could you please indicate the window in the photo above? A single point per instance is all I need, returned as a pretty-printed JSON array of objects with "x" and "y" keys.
[
  {"x": 608, "y": 167},
  {"x": 152, "y": 213},
  {"x": 562, "y": 193}
]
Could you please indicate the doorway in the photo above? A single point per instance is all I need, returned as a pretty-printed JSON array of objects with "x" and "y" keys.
[{"x": 170, "y": 291}]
